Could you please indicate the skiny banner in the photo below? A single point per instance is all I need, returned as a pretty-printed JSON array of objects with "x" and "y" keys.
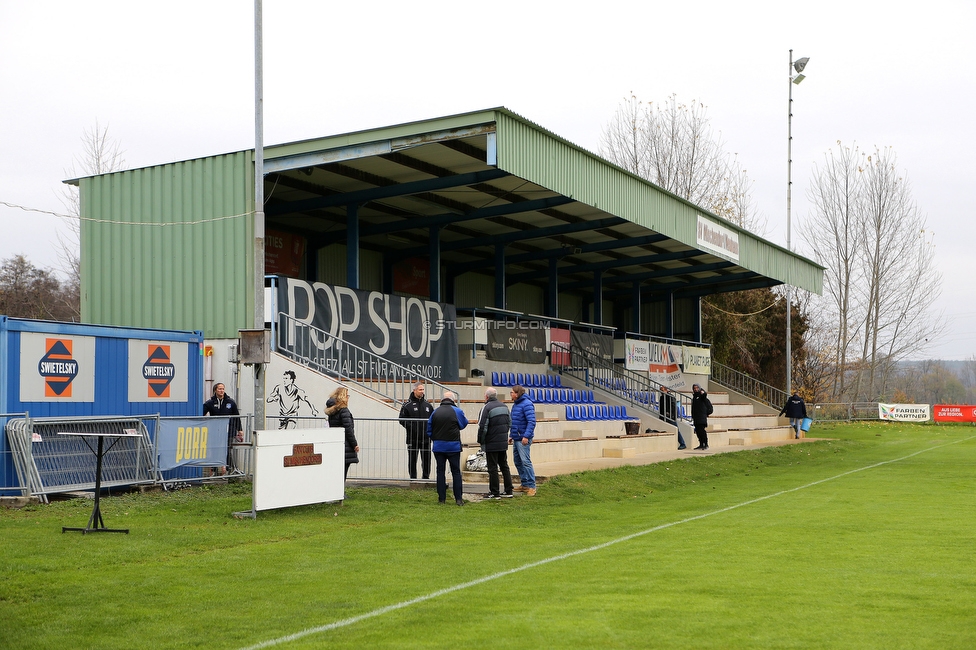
[
  {"x": 419, "y": 335},
  {"x": 596, "y": 344},
  {"x": 509, "y": 342}
]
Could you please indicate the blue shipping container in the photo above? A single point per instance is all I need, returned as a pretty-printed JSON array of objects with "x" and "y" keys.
[{"x": 51, "y": 369}]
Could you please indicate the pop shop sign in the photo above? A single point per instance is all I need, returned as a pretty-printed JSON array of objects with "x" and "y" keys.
[{"x": 953, "y": 413}]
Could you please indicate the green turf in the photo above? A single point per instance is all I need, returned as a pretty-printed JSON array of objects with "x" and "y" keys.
[{"x": 878, "y": 558}]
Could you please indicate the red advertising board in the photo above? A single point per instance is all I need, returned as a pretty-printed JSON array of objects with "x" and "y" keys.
[
  {"x": 412, "y": 276},
  {"x": 283, "y": 253},
  {"x": 559, "y": 340},
  {"x": 953, "y": 413}
]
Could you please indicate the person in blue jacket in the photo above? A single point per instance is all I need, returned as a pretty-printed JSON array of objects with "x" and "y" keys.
[
  {"x": 444, "y": 429},
  {"x": 523, "y": 429}
]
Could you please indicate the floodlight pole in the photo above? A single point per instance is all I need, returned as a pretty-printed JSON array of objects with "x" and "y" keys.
[
  {"x": 259, "y": 377},
  {"x": 789, "y": 196}
]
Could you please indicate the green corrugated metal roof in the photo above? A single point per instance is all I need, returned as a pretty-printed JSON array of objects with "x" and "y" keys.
[{"x": 197, "y": 275}]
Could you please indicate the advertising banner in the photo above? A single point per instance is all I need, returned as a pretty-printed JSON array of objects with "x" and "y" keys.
[
  {"x": 283, "y": 253},
  {"x": 953, "y": 413},
  {"x": 559, "y": 339},
  {"x": 638, "y": 355},
  {"x": 158, "y": 371},
  {"x": 417, "y": 334},
  {"x": 663, "y": 366},
  {"x": 600, "y": 345},
  {"x": 903, "y": 412},
  {"x": 412, "y": 276},
  {"x": 516, "y": 341},
  {"x": 696, "y": 360},
  {"x": 57, "y": 368},
  {"x": 191, "y": 441}
]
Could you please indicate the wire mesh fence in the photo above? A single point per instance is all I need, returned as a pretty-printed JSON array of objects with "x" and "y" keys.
[{"x": 844, "y": 411}]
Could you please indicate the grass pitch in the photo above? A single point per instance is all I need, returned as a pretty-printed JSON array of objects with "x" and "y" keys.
[{"x": 861, "y": 541}]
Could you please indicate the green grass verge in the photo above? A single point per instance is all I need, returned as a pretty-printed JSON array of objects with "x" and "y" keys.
[{"x": 879, "y": 558}]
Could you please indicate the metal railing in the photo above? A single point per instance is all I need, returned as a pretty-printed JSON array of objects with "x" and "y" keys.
[
  {"x": 748, "y": 386},
  {"x": 331, "y": 356},
  {"x": 843, "y": 412},
  {"x": 626, "y": 385}
]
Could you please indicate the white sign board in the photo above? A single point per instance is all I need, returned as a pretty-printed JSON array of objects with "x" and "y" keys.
[
  {"x": 57, "y": 368},
  {"x": 296, "y": 467},
  {"x": 638, "y": 355},
  {"x": 718, "y": 239}
]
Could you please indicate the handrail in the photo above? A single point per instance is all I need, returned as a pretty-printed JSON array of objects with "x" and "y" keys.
[
  {"x": 330, "y": 355},
  {"x": 629, "y": 386},
  {"x": 748, "y": 386}
]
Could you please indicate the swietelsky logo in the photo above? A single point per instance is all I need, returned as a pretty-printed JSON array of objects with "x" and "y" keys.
[
  {"x": 57, "y": 367},
  {"x": 158, "y": 371}
]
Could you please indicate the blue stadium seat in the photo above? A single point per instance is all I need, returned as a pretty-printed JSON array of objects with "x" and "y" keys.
[
  {"x": 559, "y": 381},
  {"x": 570, "y": 415},
  {"x": 590, "y": 412},
  {"x": 537, "y": 381},
  {"x": 623, "y": 413},
  {"x": 494, "y": 378},
  {"x": 548, "y": 392},
  {"x": 550, "y": 381},
  {"x": 511, "y": 379},
  {"x": 618, "y": 413},
  {"x": 577, "y": 397},
  {"x": 590, "y": 397},
  {"x": 520, "y": 379}
]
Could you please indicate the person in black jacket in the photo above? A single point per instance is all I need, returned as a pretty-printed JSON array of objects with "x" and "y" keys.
[
  {"x": 701, "y": 408},
  {"x": 413, "y": 417},
  {"x": 222, "y": 404},
  {"x": 669, "y": 411},
  {"x": 493, "y": 427},
  {"x": 795, "y": 409},
  {"x": 337, "y": 408},
  {"x": 444, "y": 430}
]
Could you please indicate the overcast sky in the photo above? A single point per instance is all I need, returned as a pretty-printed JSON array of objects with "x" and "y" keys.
[{"x": 174, "y": 80}]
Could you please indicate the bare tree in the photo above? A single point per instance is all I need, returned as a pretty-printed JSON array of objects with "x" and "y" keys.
[
  {"x": 834, "y": 232},
  {"x": 100, "y": 154},
  {"x": 673, "y": 146},
  {"x": 29, "y": 292},
  {"x": 881, "y": 280}
]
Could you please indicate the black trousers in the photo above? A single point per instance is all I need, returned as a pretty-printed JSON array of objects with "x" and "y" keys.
[
  {"x": 418, "y": 446},
  {"x": 454, "y": 458},
  {"x": 702, "y": 434},
  {"x": 496, "y": 460}
]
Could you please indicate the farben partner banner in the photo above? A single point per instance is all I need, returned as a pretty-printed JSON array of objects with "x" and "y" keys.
[
  {"x": 419, "y": 335},
  {"x": 904, "y": 412},
  {"x": 516, "y": 341}
]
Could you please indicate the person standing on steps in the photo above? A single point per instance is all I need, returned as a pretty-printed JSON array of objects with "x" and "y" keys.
[
  {"x": 413, "y": 417},
  {"x": 523, "y": 429},
  {"x": 444, "y": 429},
  {"x": 493, "y": 427},
  {"x": 701, "y": 408},
  {"x": 795, "y": 409},
  {"x": 669, "y": 411}
]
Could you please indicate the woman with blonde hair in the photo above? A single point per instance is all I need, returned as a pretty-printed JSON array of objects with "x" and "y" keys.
[{"x": 337, "y": 408}]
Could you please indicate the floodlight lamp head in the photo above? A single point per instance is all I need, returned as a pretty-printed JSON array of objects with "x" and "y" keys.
[
  {"x": 799, "y": 64},
  {"x": 798, "y": 78}
]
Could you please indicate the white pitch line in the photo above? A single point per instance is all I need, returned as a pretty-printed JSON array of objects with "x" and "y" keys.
[{"x": 531, "y": 565}]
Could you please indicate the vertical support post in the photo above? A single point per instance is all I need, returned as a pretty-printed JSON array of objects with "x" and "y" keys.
[
  {"x": 352, "y": 246},
  {"x": 696, "y": 319},
  {"x": 552, "y": 303},
  {"x": 259, "y": 375},
  {"x": 669, "y": 315},
  {"x": 500, "y": 276},
  {"x": 636, "y": 308},
  {"x": 598, "y": 297},
  {"x": 435, "y": 263}
]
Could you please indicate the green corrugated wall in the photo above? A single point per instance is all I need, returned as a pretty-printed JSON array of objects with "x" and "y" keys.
[{"x": 181, "y": 233}]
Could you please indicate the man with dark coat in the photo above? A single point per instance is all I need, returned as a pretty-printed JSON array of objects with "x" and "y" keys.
[
  {"x": 493, "y": 427},
  {"x": 795, "y": 409},
  {"x": 669, "y": 411},
  {"x": 701, "y": 408},
  {"x": 444, "y": 430},
  {"x": 413, "y": 417}
]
